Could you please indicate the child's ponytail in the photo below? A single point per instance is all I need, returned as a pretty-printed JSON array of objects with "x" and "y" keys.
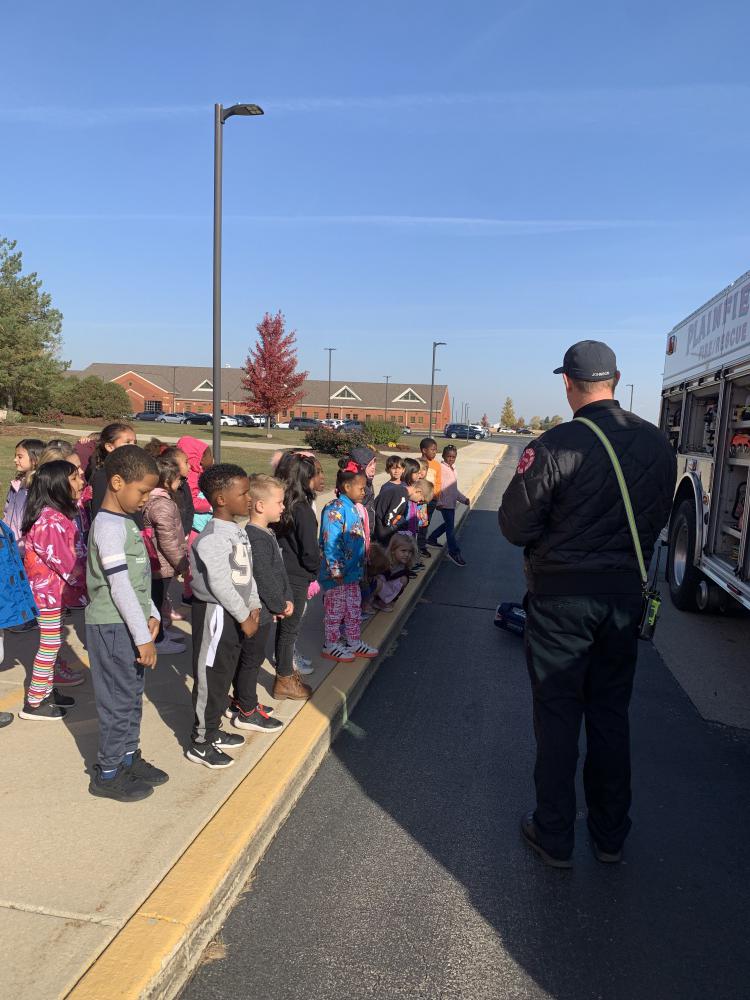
[
  {"x": 109, "y": 435},
  {"x": 348, "y": 470}
]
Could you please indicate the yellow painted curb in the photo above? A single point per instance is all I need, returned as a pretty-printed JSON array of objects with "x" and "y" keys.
[{"x": 160, "y": 945}]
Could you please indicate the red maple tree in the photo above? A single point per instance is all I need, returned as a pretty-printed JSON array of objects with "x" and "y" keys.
[{"x": 271, "y": 379}]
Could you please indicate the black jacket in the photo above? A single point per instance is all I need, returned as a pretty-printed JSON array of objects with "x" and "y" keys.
[
  {"x": 271, "y": 580},
  {"x": 391, "y": 510},
  {"x": 564, "y": 504},
  {"x": 299, "y": 544}
]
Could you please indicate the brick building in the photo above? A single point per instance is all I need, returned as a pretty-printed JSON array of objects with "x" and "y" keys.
[{"x": 174, "y": 388}]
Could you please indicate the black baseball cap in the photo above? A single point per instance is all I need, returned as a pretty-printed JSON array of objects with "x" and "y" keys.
[{"x": 589, "y": 361}]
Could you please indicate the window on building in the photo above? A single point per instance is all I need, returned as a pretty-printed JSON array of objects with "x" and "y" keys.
[
  {"x": 284, "y": 413},
  {"x": 153, "y": 406},
  {"x": 336, "y": 415},
  {"x": 316, "y": 414},
  {"x": 345, "y": 393},
  {"x": 412, "y": 420},
  {"x": 348, "y": 416},
  {"x": 304, "y": 413},
  {"x": 421, "y": 420},
  {"x": 355, "y": 416},
  {"x": 205, "y": 386},
  {"x": 367, "y": 417},
  {"x": 130, "y": 383}
]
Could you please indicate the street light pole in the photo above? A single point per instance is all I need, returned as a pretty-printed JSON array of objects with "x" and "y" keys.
[
  {"x": 631, "y": 387},
  {"x": 220, "y": 116},
  {"x": 435, "y": 345},
  {"x": 387, "y": 380},
  {"x": 330, "y": 355}
]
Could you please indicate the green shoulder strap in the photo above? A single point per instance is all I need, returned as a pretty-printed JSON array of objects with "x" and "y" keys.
[{"x": 623, "y": 489}]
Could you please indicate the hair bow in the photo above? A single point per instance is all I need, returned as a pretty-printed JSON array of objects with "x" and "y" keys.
[{"x": 352, "y": 466}]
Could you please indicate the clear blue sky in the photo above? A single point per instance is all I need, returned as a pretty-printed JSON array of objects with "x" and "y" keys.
[{"x": 507, "y": 177}]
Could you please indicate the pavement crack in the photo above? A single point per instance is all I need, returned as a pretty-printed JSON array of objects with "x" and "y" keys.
[
  {"x": 452, "y": 604},
  {"x": 48, "y": 911}
]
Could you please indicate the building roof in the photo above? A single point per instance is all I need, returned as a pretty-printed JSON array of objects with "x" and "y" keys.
[{"x": 184, "y": 382}]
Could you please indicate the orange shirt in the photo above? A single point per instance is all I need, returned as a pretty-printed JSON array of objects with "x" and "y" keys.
[{"x": 435, "y": 475}]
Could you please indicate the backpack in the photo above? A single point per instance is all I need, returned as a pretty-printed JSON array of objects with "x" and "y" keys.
[{"x": 16, "y": 601}]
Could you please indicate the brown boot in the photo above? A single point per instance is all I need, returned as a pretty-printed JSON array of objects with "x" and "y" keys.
[{"x": 291, "y": 687}]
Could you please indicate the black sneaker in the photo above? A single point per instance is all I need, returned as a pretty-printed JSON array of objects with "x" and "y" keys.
[
  {"x": 435, "y": 545},
  {"x": 187, "y": 600},
  {"x": 46, "y": 711},
  {"x": 63, "y": 700},
  {"x": 209, "y": 755},
  {"x": 123, "y": 787},
  {"x": 230, "y": 741},
  {"x": 258, "y": 719},
  {"x": 457, "y": 558},
  {"x": 26, "y": 627},
  {"x": 141, "y": 770},
  {"x": 5, "y": 719}
]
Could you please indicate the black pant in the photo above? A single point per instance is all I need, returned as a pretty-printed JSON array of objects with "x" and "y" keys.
[
  {"x": 158, "y": 587},
  {"x": 287, "y": 629},
  {"x": 422, "y": 532},
  {"x": 252, "y": 655},
  {"x": 581, "y": 654},
  {"x": 217, "y": 639}
]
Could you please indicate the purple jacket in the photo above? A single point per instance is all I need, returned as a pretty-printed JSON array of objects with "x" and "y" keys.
[{"x": 15, "y": 505}]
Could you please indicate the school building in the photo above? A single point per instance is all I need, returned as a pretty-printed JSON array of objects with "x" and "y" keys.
[{"x": 177, "y": 388}]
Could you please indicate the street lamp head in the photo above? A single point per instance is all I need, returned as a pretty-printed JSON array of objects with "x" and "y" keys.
[
  {"x": 241, "y": 109},
  {"x": 439, "y": 343}
]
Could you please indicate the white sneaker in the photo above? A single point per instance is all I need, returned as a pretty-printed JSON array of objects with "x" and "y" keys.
[
  {"x": 362, "y": 649},
  {"x": 168, "y": 646},
  {"x": 337, "y": 651},
  {"x": 302, "y": 665}
]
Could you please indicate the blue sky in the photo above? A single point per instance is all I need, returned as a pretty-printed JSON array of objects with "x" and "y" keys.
[{"x": 506, "y": 177}]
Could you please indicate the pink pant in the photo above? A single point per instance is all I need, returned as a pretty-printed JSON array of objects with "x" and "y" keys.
[{"x": 342, "y": 605}]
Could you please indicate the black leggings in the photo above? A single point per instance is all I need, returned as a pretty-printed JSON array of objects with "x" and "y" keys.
[
  {"x": 287, "y": 629},
  {"x": 158, "y": 589}
]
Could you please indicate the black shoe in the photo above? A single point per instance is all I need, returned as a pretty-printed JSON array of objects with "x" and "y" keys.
[
  {"x": 457, "y": 558},
  {"x": 529, "y": 834},
  {"x": 425, "y": 553},
  {"x": 26, "y": 627},
  {"x": 123, "y": 787},
  {"x": 187, "y": 600},
  {"x": 63, "y": 700},
  {"x": 209, "y": 755},
  {"x": 230, "y": 741},
  {"x": 606, "y": 857},
  {"x": 5, "y": 719},
  {"x": 46, "y": 711},
  {"x": 258, "y": 719},
  {"x": 141, "y": 770},
  {"x": 435, "y": 545}
]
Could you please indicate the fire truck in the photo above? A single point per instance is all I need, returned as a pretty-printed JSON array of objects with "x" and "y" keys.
[{"x": 705, "y": 411}]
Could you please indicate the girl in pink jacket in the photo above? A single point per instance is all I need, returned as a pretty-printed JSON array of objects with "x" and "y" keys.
[{"x": 55, "y": 564}]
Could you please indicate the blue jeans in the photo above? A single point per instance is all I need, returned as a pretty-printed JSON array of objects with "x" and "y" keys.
[{"x": 447, "y": 528}]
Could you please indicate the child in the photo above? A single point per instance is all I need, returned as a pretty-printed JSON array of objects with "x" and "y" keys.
[
  {"x": 226, "y": 607},
  {"x": 16, "y": 601},
  {"x": 121, "y": 625},
  {"x": 161, "y": 520},
  {"x": 275, "y": 593},
  {"x": 394, "y": 466},
  {"x": 450, "y": 495},
  {"x": 25, "y": 459},
  {"x": 183, "y": 497},
  {"x": 392, "y": 504},
  {"x": 199, "y": 458},
  {"x": 342, "y": 544},
  {"x": 377, "y": 566},
  {"x": 297, "y": 532},
  {"x": 55, "y": 567},
  {"x": 367, "y": 460},
  {"x": 112, "y": 437},
  {"x": 428, "y": 448},
  {"x": 401, "y": 556}
]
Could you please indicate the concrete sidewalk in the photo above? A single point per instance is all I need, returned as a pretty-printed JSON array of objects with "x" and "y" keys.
[{"x": 78, "y": 868}]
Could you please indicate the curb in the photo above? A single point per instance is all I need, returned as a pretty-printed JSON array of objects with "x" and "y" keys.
[{"x": 156, "y": 951}]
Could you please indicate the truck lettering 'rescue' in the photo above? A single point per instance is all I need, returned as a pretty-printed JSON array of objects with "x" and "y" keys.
[{"x": 705, "y": 410}]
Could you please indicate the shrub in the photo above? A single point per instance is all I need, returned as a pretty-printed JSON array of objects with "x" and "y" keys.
[
  {"x": 91, "y": 397},
  {"x": 50, "y": 415},
  {"x": 379, "y": 432},
  {"x": 331, "y": 442},
  {"x": 14, "y": 417}
]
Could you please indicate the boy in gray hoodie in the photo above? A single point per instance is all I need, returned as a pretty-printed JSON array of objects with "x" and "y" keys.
[{"x": 226, "y": 608}]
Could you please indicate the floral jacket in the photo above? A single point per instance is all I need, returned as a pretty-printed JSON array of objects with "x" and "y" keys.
[
  {"x": 342, "y": 544},
  {"x": 55, "y": 562}
]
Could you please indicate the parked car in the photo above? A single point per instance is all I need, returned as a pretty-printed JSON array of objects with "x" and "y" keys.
[
  {"x": 462, "y": 431},
  {"x": 226, "y": 421},
  {"x": 352, "y": 426},
  {"x": 171, "y": 418},
  {"x": 203, "y": 419},
  {"x": 405, "y": 429},
  {"x": 484, "y": 431},
  {"x": 146, "y": 415},
  {"x": 333, "y": 422},
  {"x": 284, "y": 426},
  {"x": 303, "y": 424}
]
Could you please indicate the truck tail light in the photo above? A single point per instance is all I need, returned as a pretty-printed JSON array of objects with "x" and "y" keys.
[{"x": 671, "y": 344}]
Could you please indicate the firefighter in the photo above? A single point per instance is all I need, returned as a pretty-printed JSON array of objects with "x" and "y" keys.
[{"x": 584, "y": 599}]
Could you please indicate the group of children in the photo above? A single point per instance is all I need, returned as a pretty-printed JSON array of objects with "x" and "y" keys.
[{"x": 250, "y": 556}]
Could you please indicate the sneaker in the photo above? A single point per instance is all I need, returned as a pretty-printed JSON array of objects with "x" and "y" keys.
[
  {"x": 337, "y": 651},
  {"x": 425, "y": 553},
  {"x": 63, "y": 700},
  {"x": 231, "y": 710},
  {"x": 141, "y": 770},
  {"x": 208, "y": 755},
  {"x": 362, "y": 649},
  {"x": 435, "y": 545},
  {"x": 457, "y": 558},
  {"x": 230, "y": 741},
  {"x": 46, "y": 711},
  {"x": 174, "y": 633},
  {"x": 26, "y": 627},
  {"x": 176, "y": 616},
  {"x": 292, "y": 687},
  {"x": 302, "y": 665},
  {"x": 169, "y": 646},
  {"x": 257, "y": 720},
  {"x": 123, "y": 787},
  {"x": 5, "y": 719},
  {"x": 65, "y": 676},
  {"x": 186, "y": 599}
]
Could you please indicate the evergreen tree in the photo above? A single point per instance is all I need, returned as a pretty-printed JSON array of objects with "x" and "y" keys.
[{"x": 508, "y": 416}]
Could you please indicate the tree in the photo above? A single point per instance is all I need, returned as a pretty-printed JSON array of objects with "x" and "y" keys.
[
  {"x": 485, "y": 421},
  {"x": 535, "y": 423},
  {"x": 508, "y": 416},
  {"x": 271, "y": 379},
  {"x": 30, "y": 335},
  {"x": 91, "y": 397},
  {"x": 519, "y": 423},
  {"x": 557, "y": 419}
]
